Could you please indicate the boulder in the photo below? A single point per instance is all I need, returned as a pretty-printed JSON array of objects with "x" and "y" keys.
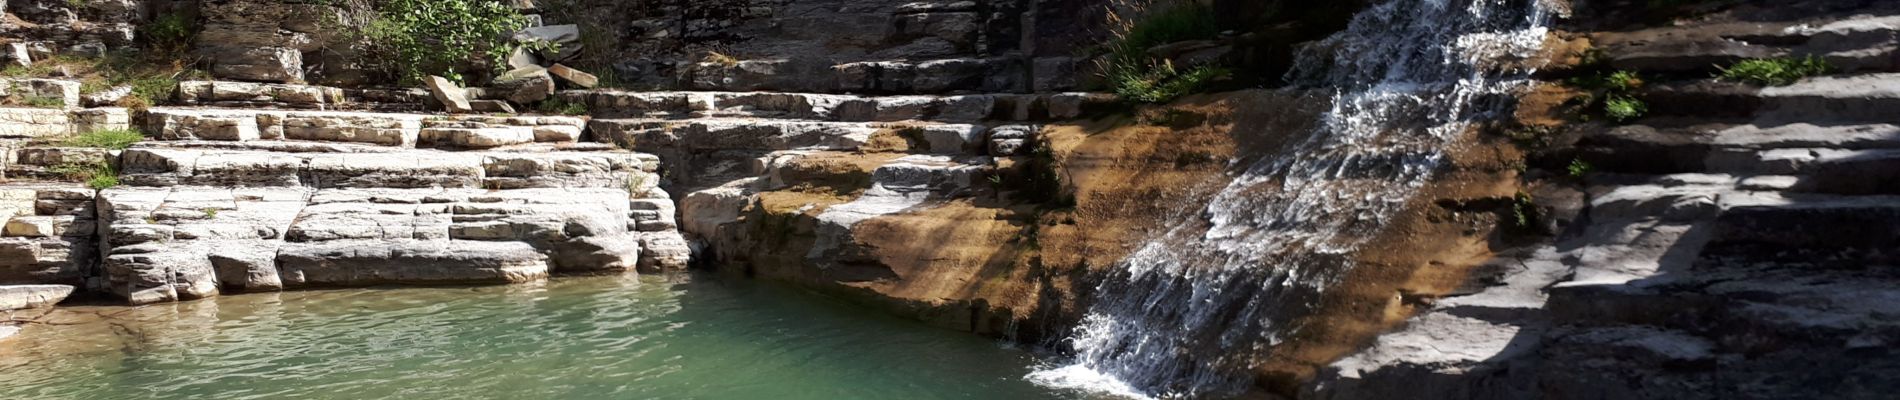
[
  {"x": 574, "y": 76},
  {"x": 452, "y": 97},
  {"x": 108, "y": 97},
  {"x": 17, "y": 53},
  {"x": 262, "y": 64},
  {"x": 1010, "y": 140},
  {"x": 523, "y": 85},
  {"x": 521, "y": 58}
]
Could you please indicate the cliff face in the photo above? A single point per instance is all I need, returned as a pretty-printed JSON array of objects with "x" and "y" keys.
[{"x": 825, "y": 46}]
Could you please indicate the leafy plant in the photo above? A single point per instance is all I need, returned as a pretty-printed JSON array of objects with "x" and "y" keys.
[
  {"x": 1578, "y": 168},
  {"x": 1163, "y": 82},
  {"x": 1524, "y": 211},
  {"x": 42, "y": 102},
  {"x": 1613, "y": 94},
  {"x": 210, "y": 212},
  {"x": 418, "y": 38},
  {"x": 106, "y": 179},
  {"x": 1191, "y": 21},
  {"x": 1137, "y": 76},
  {"x": 1776, "y": 71},
  {"x": 1621, "y": 108},
  {"x": 97, "y": 174},
  {"x": 171, "y": 32},
  {"x": 111, "y": 139},
  {"x": 153, "y": 77}
]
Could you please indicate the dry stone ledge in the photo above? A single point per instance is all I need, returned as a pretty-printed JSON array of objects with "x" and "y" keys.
[
  {"x": 64, "y": 92},
  {"x": 252, "y": 93},
  {"x": 20, "y": 297},
  {"x": 844, "y": 108},
  {"x": 383, "y": 129},
  {"x": 47, "y": 233},
  {"x": 185, "y": 242},
  {"x": 29, "y": 123},
  {"x": 171, "y": 166}
]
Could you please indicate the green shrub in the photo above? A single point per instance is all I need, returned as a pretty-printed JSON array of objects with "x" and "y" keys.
[
  {"x": 418, "y": 38},
  {"x": 1191, "y": 21},
  {"x": 106, "y": 180},
  {"x": 170, "y": 32},
  {"x": 153, "y": 77},
  {"x": 1524, "y": 211},
  {"x": 43, "y": 102},
  {"x": 1163, "y": 82},
  {"x": 111, "y": 139},
  {"x": 1138, "y": 77},
  {"x": 1776, "y": 71},
  {"x": 98, "y": 174},
  {"x": 1578, "y": 168},
  {"x": 1624, "y": 108},
  {"x": 1613, "y": 94}
]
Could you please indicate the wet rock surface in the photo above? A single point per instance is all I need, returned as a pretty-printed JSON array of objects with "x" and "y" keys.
[{"x": 1730, "y": 245}]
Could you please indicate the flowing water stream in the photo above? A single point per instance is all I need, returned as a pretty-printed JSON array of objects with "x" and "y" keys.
[
  {"x": 1189, "y": 313},
  {"x": 575, "y": 338}
]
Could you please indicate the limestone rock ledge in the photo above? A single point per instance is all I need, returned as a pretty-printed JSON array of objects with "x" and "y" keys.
[{"x": 232, "y": 200}]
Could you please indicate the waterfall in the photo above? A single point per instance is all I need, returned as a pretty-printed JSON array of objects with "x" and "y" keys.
[{"x": 1190, "y": 313}]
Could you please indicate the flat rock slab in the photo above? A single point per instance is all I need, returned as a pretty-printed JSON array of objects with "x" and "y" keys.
[{"x": 19, "y": 297}]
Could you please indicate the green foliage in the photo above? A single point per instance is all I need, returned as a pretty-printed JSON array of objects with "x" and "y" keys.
[
  {"x": 1578, "y": 168},
  {"x": 1776, "y": 71},
  {"x": 1617, "y": 82},
  {"x": 42, "y": 102},
  {"x": 152, "y": 77},
  {"x": 97, "y": 174},
  {"x": 170, "y": 32},
  {"x": 418, "y": 38},
  {"x": 106, "y": 179},
  {"x": 1162, "y": 82},
  {"x": 1137, "y": 76},
  {"x": 1524, "y": 211},
  {"x": 111, "y": 139},
  {"x": 1624, "y": 108},
  {"x": 1191, "y": 21},
  {"x": 559, "y": 106},
  {"x": 210, "y": 212},
  {"x": 1613, "y": 94}
]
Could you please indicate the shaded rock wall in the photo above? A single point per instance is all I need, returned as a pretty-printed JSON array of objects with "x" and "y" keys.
[{"x": 837, "y": 46}]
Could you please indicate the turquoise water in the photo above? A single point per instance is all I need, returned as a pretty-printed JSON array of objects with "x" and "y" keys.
[{"x": 685, "y": 337}]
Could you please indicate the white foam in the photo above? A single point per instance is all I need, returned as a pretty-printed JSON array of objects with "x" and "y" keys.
[{"x": 1080, "y": 378}]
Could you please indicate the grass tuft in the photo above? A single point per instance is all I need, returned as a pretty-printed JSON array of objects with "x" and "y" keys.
[
  {"x": 1776, "y": 71},
  {"x": 110, "y": 139},
  {"x": 1139, "y": 77}
]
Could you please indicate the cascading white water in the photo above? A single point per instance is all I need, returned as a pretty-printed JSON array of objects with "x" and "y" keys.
[{"x": 1190, "y": 313}]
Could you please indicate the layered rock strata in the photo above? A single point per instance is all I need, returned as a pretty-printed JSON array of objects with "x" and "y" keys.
[
  {"x": 1729, "y": 245},
  {"x": 248, "y": 199}
]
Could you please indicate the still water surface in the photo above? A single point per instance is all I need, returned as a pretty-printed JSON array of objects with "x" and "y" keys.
[{"x": 681, "y": 337}]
